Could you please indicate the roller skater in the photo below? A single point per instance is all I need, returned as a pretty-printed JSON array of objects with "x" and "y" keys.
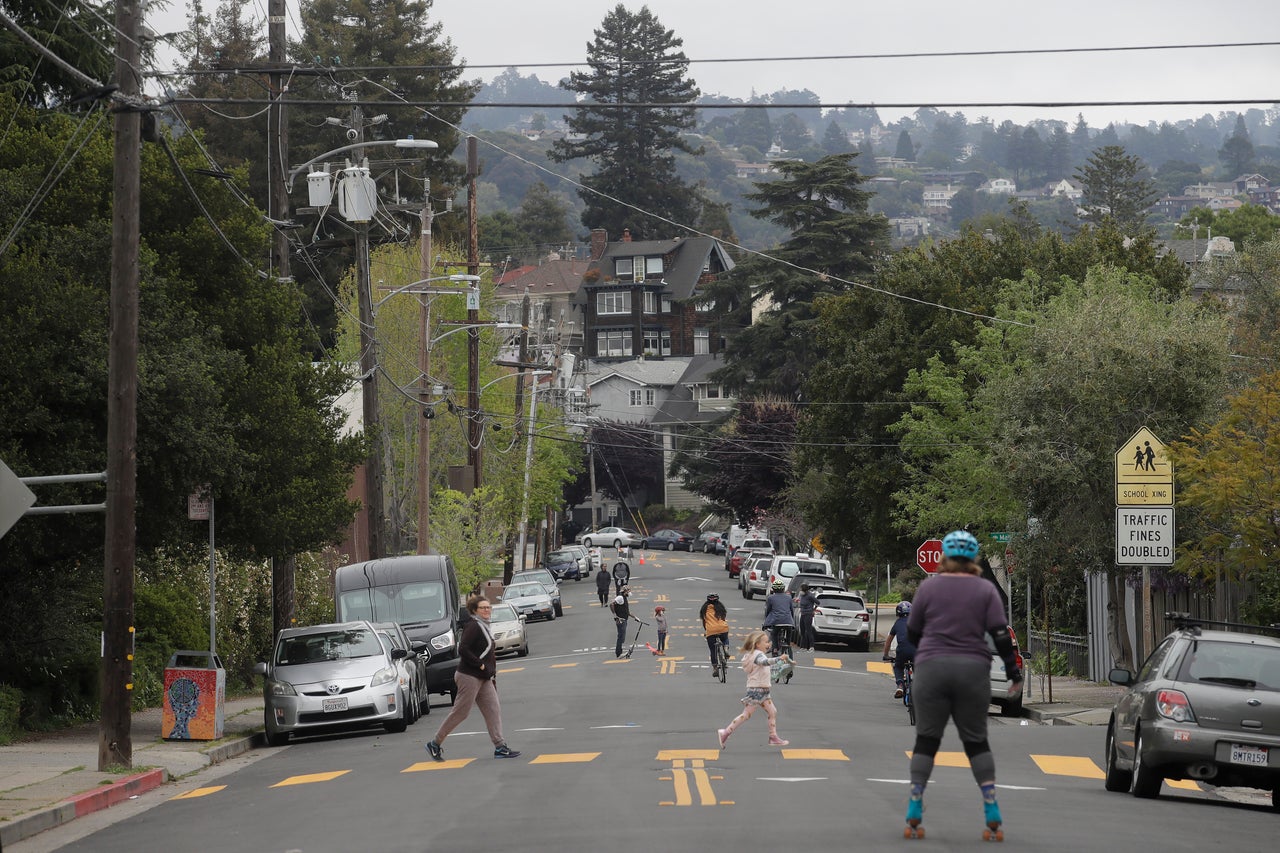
[{"x": 949, "y": 617}]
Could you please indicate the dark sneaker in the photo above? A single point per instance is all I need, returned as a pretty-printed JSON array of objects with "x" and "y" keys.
[
  {"x": 505, "y": 751},
  {"x": 436, "y": 752}
]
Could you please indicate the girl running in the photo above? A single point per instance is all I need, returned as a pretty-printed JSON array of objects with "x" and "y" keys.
[{"x": 757, "y": 665}]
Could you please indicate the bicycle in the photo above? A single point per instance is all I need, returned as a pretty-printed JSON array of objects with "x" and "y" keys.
[
  {"x": 906, "y": 692},
  {"x": 780, "y": 637},
  {"x": 722, "y": 659}
]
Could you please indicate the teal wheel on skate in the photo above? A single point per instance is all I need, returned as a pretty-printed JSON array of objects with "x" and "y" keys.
[{"x": 910, "y": 831}]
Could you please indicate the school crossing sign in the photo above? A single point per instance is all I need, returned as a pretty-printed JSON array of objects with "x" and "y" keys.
[{"x": 1144, "y": 502}]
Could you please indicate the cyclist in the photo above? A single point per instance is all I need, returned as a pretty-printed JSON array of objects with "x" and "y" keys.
[
  {"x": 715, "y": 625},
  {"x": 777, "y": 615},
  {"x": 952, "y": 613},
  {"x": 906, "y": 652}
]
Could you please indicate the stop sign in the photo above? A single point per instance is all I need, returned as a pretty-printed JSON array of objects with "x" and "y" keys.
[{"x": 929, "y": 555}]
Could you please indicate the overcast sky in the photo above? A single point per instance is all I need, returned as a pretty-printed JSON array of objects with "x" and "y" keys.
[{"x": 504, "y": 32}]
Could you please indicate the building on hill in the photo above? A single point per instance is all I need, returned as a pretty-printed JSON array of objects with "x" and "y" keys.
[{"x": 553, "y": 285}]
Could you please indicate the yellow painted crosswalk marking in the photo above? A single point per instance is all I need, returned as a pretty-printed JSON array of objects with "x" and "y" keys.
[
  {"x": 1182, "y": 784},
  {"x": 828, "y": 663},
  {"x": 668, "y": 665},
  {"x": 566, "y": 758},
  {"x": 816, "y": 754},
  {"x": 948, "y": 759},
  {"x": 308, "y": 778},
  {"x": 505, "y": 670},
  {"x": 619, "y": 660},
  {"x": 680, "y": 777},
  {"x": 562, "y": 665},
  {"x": 673, "y": 754},
  {"x": 1068, "y": 765},
  {"x": 661, "y": 598},
  {"x": 451, "y": 764},
  {"x": 200, "y": 792},
  {"x": 880, "y": 666}
]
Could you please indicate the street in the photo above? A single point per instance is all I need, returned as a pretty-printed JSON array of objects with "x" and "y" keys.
[{"x": 622, "y": 754}]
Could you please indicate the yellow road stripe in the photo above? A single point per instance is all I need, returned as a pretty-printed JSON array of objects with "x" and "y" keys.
[
  {"x": 1183, "y": 784},
  {"x": 677, "y": 754},
  {"x": 619, "y": 660},
  {"x": 199, "y": 792},
  {"x": 816, "y": 754},
  {"x": 505, "y": 670},
  {"x": 562, "y": 665},
  {"x": 1068, "y": 765},
  {"x": 451, "y": 764},
  {"x": 705, "y": 795},
  {"x": 829, "y": 663},
  {"x": 880, "y": 666},
  {"x": 948, "y": 759},
  {"x": 566, "y": 758},
  {"x": 683, "y": 795},
  {"x": 311, "y": 777}
]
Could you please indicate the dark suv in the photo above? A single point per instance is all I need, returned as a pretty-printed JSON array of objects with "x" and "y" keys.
[{"x": 1204, "y": 706}]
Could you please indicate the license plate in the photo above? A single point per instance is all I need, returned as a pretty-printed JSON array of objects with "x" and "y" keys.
[
  {"x": 1255, "y": 755},
  {"x": 840, "y": 620},
  {"x": 331, "y": 705}
]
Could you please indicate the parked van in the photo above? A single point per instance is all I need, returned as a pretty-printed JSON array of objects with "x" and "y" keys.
[
  {"x": 420, "y": 593},
  {"x": 738, "y": 535}
]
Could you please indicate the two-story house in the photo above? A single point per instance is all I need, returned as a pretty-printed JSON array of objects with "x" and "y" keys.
[
  {"x": 552, "y": 286},
  {"x": 641, "y": 297}
]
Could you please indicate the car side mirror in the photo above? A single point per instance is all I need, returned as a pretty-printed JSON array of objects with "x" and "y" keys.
[
  {"x": 522, "y": 619},
  {"x": 418, "y": 646},
  {"x": 399, "y": 654},
  {"x": 1120, "y": 677},
  {"x": 260, "y": 668}
]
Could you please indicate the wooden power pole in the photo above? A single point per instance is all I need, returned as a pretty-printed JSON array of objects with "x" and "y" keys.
[{"x": 475, "y": 435}]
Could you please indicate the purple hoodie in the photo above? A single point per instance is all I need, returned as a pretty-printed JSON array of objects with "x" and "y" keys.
[{"x": 953, "y": 614}]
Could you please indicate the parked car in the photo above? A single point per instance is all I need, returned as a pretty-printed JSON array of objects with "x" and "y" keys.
[
  {"x": 761, "y": 545},
  {"x": 842, "y": 617},
  {"x": 563, "y": 565},
  {"x": 755, "y": 576},
  {"x": 785, "y": 567},
  {"x": 585, "y": 562},
  {"x": 669, "y": 540},
  {"x": 529, "y": 599},
  {"x": 616, "y": 537},
  {"x": 735, "y": 564},
  {"x": 413, "y": 666},
  {"x": 548, "y": 581},
  {"x": 1205, "y": 705},
  {"x": 1000, "y": 682},
  {"x": 326, "y": 677},
  {"x": 508, "y": 631},
  {"x": 709, "y": 542}
]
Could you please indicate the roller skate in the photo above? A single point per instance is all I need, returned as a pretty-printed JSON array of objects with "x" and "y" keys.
[
  {"x": 915, "y": 814},
  {"x": 991, "y": 813}
]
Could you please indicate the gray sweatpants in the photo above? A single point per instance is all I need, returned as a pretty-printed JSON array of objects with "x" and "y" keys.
[
  {"x": 952, "y": 688},
  {"x": 477, "y": 693}
]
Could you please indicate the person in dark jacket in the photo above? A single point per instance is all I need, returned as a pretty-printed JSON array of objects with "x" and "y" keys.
[
  {"x": 621, "y": 608},
  {"x": 602, "y": 586},
  {"x": 477, "y": 681},
  {"x": 778, "y": 620},
  {"x": 808, "y": 603}
]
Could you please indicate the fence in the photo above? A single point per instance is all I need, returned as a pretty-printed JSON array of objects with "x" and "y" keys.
[{"x": 1075, "y": 648}]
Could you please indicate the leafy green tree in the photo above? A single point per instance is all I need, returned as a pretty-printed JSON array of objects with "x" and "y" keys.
[
  {"x": 1057, "y": 157},
  {"x": 1237, "y": 153},
  {"x": 1174, "y": 176},
  {"x": 793, "y": 133},
  {"x": 633, "y": 60},
  {"x": 79, "y": 33},
  {"x": 1229, "y": 478},
  {"x": 834, "y": 240},
  {"x": 835, "y": 140},
  {"x": 1116, "y": 186},
  {"x": 629, "y": 461},
  {"x": 500, "y": 236},
  {"x": 543, "y": 217},
  {"x": 753, "y": 129},
  {"x": 1249, "y": 223}
]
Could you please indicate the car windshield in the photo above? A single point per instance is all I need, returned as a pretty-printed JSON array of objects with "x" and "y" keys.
[
  {"x": 520, "y": 590},
  {"x": 1236, "y": 664},
  {"x": 407, "y": 603},
  {"x": 328, "y": 645},
  {"x": 503, "y": 613},
  {"x": 542, "y": 577}
]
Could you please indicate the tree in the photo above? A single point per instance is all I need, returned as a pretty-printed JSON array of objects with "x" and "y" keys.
[
  {"x": 1236, "y": 152},
  {"x": 1174, "y": 176},
  {"x": 754, "y": 129},
  {"x": 1249, "y": 223},
  {"x": 1116, "y": 186},
  {"x": 630, "y": 459},
  {"x": 793, "y": 134},
  {"x": 835, "y": 140},
  {"x": 905, "y": 150},
  {"x": 633, "y": 60},
  {"x": 76, "y": 32},
  {"x": 543, "y": 217}
]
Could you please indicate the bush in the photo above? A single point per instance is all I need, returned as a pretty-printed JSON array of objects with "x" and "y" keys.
[
  {"x": 1056, "y": 663},
  {"x": 10, "y": 711}
]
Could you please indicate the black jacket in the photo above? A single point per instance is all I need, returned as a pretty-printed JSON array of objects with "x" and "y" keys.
[{"x": 476, "y": 655}]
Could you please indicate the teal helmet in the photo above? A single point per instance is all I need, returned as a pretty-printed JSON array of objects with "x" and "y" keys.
[{"x": 960, "y": 543}]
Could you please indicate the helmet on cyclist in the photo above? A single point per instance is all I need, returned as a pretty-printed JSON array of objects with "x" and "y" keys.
[
  {"x": 713, "y": 596},
  {"x": 903, "y": 608},
  {"x": 960, "y": 543},
  {"x": 777, "y": 586}
]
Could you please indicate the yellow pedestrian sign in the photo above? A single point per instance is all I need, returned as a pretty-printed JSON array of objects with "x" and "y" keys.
[{"x": 1144, "y": 474}]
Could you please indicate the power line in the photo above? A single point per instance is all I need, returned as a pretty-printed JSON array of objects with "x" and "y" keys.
[{"x": 661, "y": 105}]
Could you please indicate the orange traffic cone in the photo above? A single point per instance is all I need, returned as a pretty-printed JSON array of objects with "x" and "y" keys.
[{"x": 642, "y": 559}]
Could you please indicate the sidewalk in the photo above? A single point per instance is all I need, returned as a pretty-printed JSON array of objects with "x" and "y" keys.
[{"x": 53, "y": 778}]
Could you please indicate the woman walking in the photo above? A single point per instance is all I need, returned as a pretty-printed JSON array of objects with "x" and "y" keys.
[
  {"x": 758, "y": 666},
  {"x": 949, "y": 619},
  {"x": 477, "y": 681}
]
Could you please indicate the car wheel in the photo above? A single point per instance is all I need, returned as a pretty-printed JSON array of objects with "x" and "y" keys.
[
  {"x": 1011, "y": 707},
  {"x": 523, "y": 651},
  {"x": 1275, "y": 798},
  {"x": 426, "y": 704},
  {"x": 1146, "y": 781},
  {"x": 671, "y": 546},
  {"x": 1116, "y": 779},
  {"x": 748, "y": 593},
  {"x": 559, "y": 608},
  {"x": 277, "y": 738},
  {"x": 410, "y": 712},
  {"x": 397, "y": 726},
  {"x": 617, "y": 543},
  {"x": 861, "y": 644}
]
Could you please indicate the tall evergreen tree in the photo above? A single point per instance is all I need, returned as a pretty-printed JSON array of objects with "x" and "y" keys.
[
  {"x": 542, "y": 217},
  {"x": 77, "y": 32},
  {"x": 905, "y": 150},
  {"x": 634, "y": 60},
  {"x": 1117, "y": 186},
  {"x": 835, "y": 140},
  {"x": 1236, "y": 153}
]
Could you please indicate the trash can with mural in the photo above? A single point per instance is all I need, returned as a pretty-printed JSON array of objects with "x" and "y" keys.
[{"x": 195, "y": 696}]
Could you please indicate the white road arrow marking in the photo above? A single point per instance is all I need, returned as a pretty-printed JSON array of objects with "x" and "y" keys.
[{"x": 791, "y": 778}]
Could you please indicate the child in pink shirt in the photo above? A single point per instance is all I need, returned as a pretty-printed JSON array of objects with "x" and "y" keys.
[{"x": 757, "y": 665}]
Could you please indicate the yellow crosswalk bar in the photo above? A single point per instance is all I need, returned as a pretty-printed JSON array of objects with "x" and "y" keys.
[
  {"x": 1068, "y": 765},
  {"x": 451, "y": 764},
  {"x": 308, "y": 778},
  {"x": 883, "y": 667},
  {"x": 828, "y": 663},
  {"x": 680, "y": 777},
  {"x": 566, "y": 758},
  {"x": 199, "y": 792}
]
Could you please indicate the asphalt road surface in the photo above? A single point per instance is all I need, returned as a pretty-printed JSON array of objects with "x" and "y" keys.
[{"x": 621, "y": 755}]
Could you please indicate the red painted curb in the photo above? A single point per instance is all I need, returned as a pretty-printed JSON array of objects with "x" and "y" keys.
[{"x": 109, "y": 795}]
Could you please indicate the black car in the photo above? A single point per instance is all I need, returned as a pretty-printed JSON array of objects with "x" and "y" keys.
[
  {"x": 670, "y": 540},
  {"x": 563, "y": 565},
  {"x": 710, "y": 542}
]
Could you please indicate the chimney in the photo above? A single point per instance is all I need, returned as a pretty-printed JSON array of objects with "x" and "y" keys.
[
  {"x": 626, "y": 235},
  {"x": 599, "y": 240}
]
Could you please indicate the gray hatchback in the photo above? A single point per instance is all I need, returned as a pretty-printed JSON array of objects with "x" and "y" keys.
[{"x": 1204, "y": 706}]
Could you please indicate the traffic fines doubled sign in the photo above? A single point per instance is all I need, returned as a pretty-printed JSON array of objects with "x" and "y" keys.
[{"x": 1144, "y": 502}]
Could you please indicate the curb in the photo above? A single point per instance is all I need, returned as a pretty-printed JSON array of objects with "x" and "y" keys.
[{"x": 36, "y": 822}]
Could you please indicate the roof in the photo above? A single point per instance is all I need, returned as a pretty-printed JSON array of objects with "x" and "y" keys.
[
  {"x": 552, "y": 276},
  {"x": 680, "y": 408},
  {"x": 689, "y": 256},
  {"x": 658, "y": 373}
]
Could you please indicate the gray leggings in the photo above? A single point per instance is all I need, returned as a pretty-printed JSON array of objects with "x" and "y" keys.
[{"x": 952, "y": 688}]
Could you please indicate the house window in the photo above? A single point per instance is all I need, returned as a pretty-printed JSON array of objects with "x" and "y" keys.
[
  {"x": 653, "y": 266},
  {"x": 651, "y": 302},
  {"x": 701, "y": 341},
  {"x": 707, "y": 391},
  {"x": 666, "y": 342},
  {"x": 616, "y": 342},
  {"x": 653, "y": 342},
  {"x": 666, "y": 304},
  {"x": 622, "y": 269},
  {"x": 613, "y": 302},
  {"x": 642, "y": 397},
  {"x": 637, "y": 264}
]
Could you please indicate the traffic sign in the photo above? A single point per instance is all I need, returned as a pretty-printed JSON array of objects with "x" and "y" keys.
[
  {"x": 1144, "y": 474},
  {"x": 1144, "y": 536},
  {"x": 1001, "y": 537},
  {"x": 929, "y": 555},
  {"x": 15, "y": 499}
]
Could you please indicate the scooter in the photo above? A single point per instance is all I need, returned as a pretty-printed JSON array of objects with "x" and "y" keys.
[{"x": 640, "y": 626}]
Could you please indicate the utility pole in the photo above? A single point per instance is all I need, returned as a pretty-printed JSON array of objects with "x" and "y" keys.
[
  {"x": 424, "y": 367},
  {"x": 475, "y": 456},
  {"x": 523, "y": 359},
  {"x": 284, "y": 567},
  {"x": 115, "y": 739},
  {"x": 595, "y": 504},
  {"x": 369, "y": 369}
]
